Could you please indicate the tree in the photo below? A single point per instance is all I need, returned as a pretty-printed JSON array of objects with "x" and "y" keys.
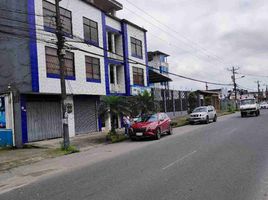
[
  {"x": 192, "y": 101},
  {"x": 143, "y": 104},
  {"x": 114, "y": 106}
]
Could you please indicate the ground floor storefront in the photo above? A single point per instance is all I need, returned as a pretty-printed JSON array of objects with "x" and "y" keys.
[{"x": 41, "y": 117}]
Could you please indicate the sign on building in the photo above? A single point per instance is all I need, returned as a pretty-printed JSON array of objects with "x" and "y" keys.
[
  {"x": 136, "y": 90},
  {"x": 2, "y": 113}
]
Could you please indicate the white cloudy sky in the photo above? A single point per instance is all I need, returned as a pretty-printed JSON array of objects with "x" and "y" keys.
[{"x": 205, "y": 37}]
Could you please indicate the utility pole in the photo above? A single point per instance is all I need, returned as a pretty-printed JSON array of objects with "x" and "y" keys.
[
  {"x": 259, "y": 91},
  {"x": 61, "y": 54},
  {"x": 234, "y": 72},
  {"x": 266, "y": 93},
  {"x": 206, "y": 86}
]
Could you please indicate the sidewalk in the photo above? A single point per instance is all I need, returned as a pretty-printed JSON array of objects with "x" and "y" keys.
[{"x": 37, "y": 151}]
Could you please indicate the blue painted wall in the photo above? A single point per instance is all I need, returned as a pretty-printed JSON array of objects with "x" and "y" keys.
[
  {"x": 105, "y": 47},
  {"x": 24, "y": 128},
  {"x": 126, "y": 56},
  {"x": 33, "y": 46},
  {"x": 146, "y": 59}
]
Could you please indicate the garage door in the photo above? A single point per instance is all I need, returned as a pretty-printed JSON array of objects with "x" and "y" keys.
[
  {"x": 85, "y": 114},
  {"x": 43, "y": 120}
]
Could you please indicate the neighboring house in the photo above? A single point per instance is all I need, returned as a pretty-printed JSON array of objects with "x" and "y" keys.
[
  {"x": 223, "y": 92},
  {"x": 101, "y": 59},
  {"x": 158, "y": 62},
  {"x": 205, "y": 98}
]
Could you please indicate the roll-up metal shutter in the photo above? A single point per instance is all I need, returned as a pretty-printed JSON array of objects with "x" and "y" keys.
[
  {"x": 85, "y": 114},
  {"x": 43, "y": 120}
]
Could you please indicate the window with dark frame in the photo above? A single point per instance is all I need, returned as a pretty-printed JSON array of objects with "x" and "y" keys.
[
  {"x": 136, "y": 47},
  {"x": 49, "y": 12},
  {"x": 93, "y": 69},
  {"x": 138, "y": 76},
  {"x": 52, "y": 63},
  {"x": 90, "y": 31}
]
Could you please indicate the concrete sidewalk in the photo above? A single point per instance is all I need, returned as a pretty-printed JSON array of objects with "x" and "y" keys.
[{"x": 37, "y": 151}]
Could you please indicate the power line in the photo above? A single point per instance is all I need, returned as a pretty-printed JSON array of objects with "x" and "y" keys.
[
  {"x": 173, "y": 44},
  {"x": 24, "y": 13},
  {"x": 129, "y": 60},
  {"x": 254, "y": 75},
  {"x": 173, "y": 74},
  {"x": 177, "y": 33}
]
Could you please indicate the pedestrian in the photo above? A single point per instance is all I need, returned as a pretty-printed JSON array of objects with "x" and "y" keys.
[{"x": 126, "y": 121}]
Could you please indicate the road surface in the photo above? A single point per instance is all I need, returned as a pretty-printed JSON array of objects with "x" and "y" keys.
[{"x": 227, "y": 160}]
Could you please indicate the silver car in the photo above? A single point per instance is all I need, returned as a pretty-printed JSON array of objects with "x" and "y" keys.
[
  {"x": 264, "y": 105},
  {"x": 203, "y": 114}
]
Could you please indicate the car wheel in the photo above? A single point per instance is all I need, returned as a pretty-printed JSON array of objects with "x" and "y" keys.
[
  {"x": 170, "y": 130},
  {"x": 207, "y": 120},
  {"x": 215, "y": 118},
  {"x": 158, "y": 134},
  {"x": 242, "y": 115},
  {"x": 133, "y": 139}
]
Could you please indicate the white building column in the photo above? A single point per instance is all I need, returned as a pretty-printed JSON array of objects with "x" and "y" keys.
[
  {"x": 119, "y": 121},
  {"x": 115, "y": 75},
  {"x": 108, "y": 124},
  {"x": 9, "y": 112},
  {"x": 71, "y": 122},
  {"x": 113, "y": 42}
]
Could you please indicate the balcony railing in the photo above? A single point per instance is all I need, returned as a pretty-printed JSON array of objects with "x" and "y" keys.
[
  {"x": 115, "y": 57},
  {"x": 117, "y": 88}
]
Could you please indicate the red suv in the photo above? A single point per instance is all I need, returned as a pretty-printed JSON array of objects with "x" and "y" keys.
[{"x": 151, "y": 126}]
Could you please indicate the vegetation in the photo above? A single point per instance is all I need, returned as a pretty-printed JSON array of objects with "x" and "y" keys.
[
  {"x": 192, "y": 101},
  {"x": 114, "y": 138},
  {"x": 114, "y": 106},
  {"x": 180, "y": 121},
  {"x": 207, "y": 100},
  {"x": 71, "y": 149},
  {"x": 143, "y": 104},
  {"x": 133, "y": 106}
]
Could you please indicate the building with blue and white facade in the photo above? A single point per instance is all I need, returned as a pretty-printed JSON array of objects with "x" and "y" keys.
[
  {"x": 158, "y": 62},
  {"x": 104, "y": 55}
]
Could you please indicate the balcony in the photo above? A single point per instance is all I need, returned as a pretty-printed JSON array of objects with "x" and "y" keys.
[
  {"x": 117, "y": 79},
  {"x": 115, "y": 56},
  {"x": 117, "y": 89}
]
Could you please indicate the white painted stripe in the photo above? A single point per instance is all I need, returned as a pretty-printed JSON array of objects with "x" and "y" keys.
[{"x": 180, "y": 159}]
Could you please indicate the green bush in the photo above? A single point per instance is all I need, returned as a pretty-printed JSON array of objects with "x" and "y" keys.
[
  {"x": 71, "y": 149},
  {"x": 114, "y": 137}
]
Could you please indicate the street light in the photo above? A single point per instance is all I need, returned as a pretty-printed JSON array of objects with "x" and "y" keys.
[{"x": 241, "y": 77}]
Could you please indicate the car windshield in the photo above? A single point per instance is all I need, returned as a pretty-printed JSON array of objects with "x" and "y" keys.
[
  {"x": 149, "y": 118},
  {"x": 247, "y": 101},
  {"x": 200, "y": 109}
]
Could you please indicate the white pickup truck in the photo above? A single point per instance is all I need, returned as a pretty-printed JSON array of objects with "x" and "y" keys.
[{"x": 249, "y": 106}]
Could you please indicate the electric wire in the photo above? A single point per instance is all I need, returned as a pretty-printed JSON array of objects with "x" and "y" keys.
[{"x": 129, "y": 60}]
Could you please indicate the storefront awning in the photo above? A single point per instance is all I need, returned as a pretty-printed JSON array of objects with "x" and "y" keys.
[{"x": 156, "y": 77}]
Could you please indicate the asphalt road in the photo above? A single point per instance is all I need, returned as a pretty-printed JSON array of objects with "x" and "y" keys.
[{"x": 227, "y": 160}]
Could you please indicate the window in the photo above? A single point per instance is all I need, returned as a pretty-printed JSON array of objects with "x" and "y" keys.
[
  {"x": 49, "y": 12},
  {"x": 136, "y": 47},
  {"x": 112, "y": 76},
  {"x": 110, "y": 45},
  {"x": 52, "y": 63},
  {"x": 90, "y": 31},
  {"x": 93, "y": 69},
  {"x": 138, "y": 76}
]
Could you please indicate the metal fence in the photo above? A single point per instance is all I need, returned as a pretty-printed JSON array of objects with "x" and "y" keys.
[{"x": 171, "y": 100}]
